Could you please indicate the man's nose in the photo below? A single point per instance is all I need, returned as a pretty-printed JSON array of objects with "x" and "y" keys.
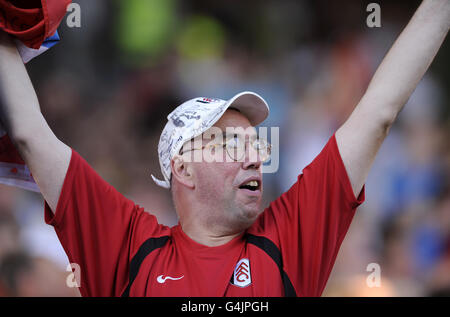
[{"x": 251, "y": 159}]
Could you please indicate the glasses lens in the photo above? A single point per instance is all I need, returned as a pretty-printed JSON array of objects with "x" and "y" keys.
[
  {"x": 235, "y": 148},
  {"x": 263, "y": 148}
]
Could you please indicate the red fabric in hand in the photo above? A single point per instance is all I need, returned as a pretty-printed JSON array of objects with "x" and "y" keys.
[{"x": 32, "y": 21}]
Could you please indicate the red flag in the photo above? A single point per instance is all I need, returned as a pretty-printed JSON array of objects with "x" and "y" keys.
[
  {"x": 13, "y": 170},
  {"x": 32, "y": 21}
]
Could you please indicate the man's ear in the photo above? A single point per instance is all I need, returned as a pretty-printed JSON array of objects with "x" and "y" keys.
[{"x": 182, "y": 171}]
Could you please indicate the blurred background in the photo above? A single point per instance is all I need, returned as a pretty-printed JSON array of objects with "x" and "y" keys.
[{"x": 108, "y": 86}]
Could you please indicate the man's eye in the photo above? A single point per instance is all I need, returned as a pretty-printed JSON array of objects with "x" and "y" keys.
[
  {"x": 259, "y": 144},
  {"x": 233, "y": 142}
]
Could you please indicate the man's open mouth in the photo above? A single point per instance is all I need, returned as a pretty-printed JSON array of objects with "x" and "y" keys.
[{"x": 252, "y": 185}]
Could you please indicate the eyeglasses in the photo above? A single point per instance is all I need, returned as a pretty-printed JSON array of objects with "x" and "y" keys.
[{"x": 236, "y": 148}]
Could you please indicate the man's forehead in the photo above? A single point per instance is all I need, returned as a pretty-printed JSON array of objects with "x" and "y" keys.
[
  {"x": 217, "y": 134},
  {"x": 232, "y": 118},
  {"x": 227, "y": 132}
]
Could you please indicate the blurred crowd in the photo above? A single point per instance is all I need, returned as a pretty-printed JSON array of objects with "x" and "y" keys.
[{"x": 108, "y": 86}]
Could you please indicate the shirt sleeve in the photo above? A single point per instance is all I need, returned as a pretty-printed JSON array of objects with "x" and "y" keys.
[
  {"x": 310, "y": 220},
  {"x": 99, "y": 229}
]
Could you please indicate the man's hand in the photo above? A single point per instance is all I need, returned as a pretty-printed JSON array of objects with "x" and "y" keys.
[
  {"x": 46, "y": 156},
  {"x": 362, "y": 134}
]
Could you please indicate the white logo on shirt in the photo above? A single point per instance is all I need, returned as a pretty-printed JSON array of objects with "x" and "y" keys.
[
  {"x": 162, "y": 279},
  {"x": 242, "y": 276}
]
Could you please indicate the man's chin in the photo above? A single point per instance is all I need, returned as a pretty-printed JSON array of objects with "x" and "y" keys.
[
  {"x": 250, "y": 213},
  {"x": 248, "y": 209}
]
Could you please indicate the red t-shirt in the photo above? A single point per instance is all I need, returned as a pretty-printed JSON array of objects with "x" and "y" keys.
[{"x": 121, "y": 250}]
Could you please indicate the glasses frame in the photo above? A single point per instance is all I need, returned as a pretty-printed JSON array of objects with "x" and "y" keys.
[{"x": 224, "y": 144}]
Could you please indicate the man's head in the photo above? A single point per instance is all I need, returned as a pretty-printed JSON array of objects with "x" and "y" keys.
[
  {"x": 215, "y": 173},
  {"x": 218, "y": 187}
]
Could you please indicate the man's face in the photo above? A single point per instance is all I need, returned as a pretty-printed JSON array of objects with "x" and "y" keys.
[{"x": 224, "y": 184}]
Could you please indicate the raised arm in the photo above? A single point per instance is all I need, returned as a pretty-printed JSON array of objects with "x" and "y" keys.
[
  {"x": 46, "y": 156},
  {"x": 362, "y": 134}
]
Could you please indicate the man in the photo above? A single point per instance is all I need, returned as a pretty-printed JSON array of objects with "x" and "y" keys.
[{"x": 224, "y": 244}]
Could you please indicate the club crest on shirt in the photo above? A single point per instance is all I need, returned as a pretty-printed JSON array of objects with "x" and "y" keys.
[{"x": 242, "y": 275}]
